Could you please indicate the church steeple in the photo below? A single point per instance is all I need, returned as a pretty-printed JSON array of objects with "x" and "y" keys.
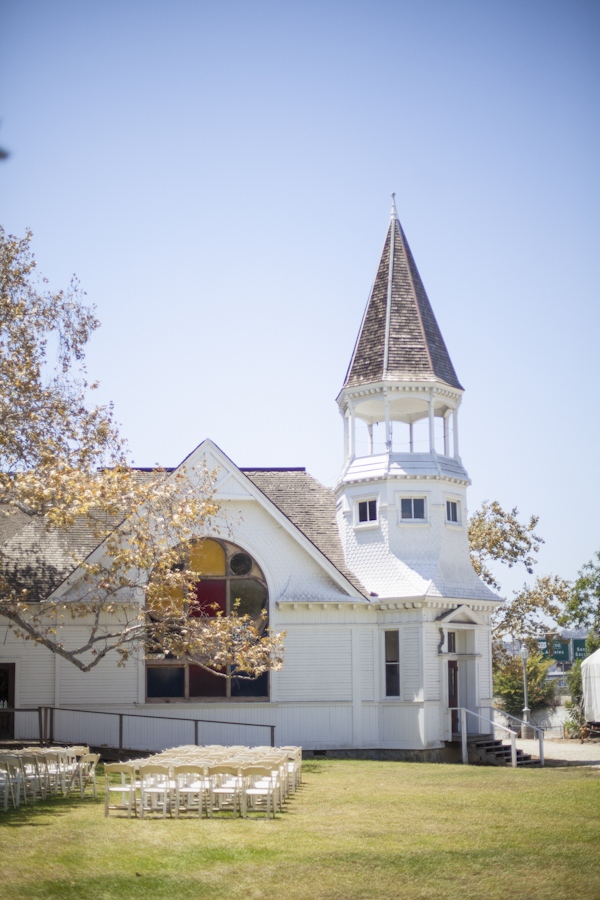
[
  {"x": 402, "y": 492},
  {"x": 399, "y": 338},
  {"x": 400, "y": 371}
]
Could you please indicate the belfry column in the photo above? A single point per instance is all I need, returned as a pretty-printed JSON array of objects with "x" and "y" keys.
[
  {"x": 352, "y": 432},
  {"x": 346, "y": 438},
  {"x": 388, "y": 430},
  {"x": 455, "y": 432},
  {"x": 431, "y": 422}
]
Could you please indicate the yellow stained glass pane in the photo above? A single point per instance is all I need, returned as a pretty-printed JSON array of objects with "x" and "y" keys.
[
  {"x": 171, "y": 601},
  {"x": 207, "y": 558}
]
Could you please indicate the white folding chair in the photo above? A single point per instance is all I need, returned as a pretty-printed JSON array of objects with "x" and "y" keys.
[
  {"x": 54, "y": 771},
  {"x": 10, "y": 770},
  {"x": 155, "y": 783},
  {"x": 33, "y": 776},
  {"x": 259, "y": 790},
  {"x": 225, "y": 788},
  {"x": 86, "y": 772},
  {"x": 127, "y": 788},
  {"x": 295, "y": 763},
  {"x": 191, "y": 783}
]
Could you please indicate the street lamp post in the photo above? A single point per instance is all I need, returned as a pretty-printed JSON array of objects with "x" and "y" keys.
[{"x": 526, "y": 732}]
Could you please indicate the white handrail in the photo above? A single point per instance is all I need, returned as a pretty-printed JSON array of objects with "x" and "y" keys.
[
  {"x": 464, "y": 737},
  {"x": 539, "y": 730}
]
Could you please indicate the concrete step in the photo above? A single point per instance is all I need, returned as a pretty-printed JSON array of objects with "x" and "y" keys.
[{"x": 496, "y": 753}]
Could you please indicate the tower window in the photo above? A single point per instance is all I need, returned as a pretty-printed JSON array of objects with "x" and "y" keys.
[
  {"x": 452, "y": 511},
  {"x": 392, "y": 664},
  {"x": 451, "y": 642},
  {"x": 412, "y": 508},
  {"x": 367, "y": 511}
]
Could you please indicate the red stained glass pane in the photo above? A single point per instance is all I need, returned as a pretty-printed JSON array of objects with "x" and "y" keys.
[
  {"x": 210, "y": 598},
  {"x": 205, "y": 684}
]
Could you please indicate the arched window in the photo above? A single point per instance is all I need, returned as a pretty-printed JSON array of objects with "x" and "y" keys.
[{"x": 228, "y": 578}]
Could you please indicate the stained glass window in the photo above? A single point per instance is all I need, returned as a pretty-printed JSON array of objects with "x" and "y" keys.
[{"x": 229, "y": 580}]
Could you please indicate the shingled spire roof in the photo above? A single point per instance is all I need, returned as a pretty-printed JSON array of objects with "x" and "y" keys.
[{"x": 399, "y": 337}]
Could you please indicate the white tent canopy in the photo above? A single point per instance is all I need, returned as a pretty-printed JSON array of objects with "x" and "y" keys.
[{"x": 590, "y": 676}]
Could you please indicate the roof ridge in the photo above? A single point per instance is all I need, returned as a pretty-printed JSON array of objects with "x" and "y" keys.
[{"x": 416, "y": 299}]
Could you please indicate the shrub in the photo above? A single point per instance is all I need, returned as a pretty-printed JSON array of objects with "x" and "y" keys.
[{"x": 508, "y": 685}]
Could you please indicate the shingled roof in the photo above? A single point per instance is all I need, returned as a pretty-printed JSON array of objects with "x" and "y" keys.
[
  {"x": 310, "y": 506},
  {"x": 399, "y": 337},
  {"x": 37, "y": 560}
]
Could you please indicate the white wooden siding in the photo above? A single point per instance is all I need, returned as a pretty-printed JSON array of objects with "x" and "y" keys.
[
  {"x": 318, "y": 665},
  {"x": 106, "y": 681},
  {"x": 400, "y": 725},
  {"x": 485, "y": 673},
  {"x": 367, "y": 662},
  {"x": 410, "y": 662},
  {"x": 432, "y": 664}
]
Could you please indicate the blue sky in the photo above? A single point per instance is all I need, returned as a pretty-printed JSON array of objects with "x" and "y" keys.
[{"x": 218, "y": 176}]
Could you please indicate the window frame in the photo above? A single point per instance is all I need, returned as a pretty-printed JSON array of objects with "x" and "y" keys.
[
  {"x": 453, "y": 523},
  {"x": 412, "y": 497},
  {"x": 369, "y": 523},
  {"x": 230, "y": 550},
  {"x": 389, "y": 664}
]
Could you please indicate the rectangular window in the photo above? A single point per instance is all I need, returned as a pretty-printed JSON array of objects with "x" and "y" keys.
[
  {"x": 392, "y": 664},
  {"x": 205, "y": 684},
  {"x": 451, "y": 511},
  {"x": 166, "y": 681},
  {"x": 451, "y": 642},
  {"x": 412, "y": 508},
  {"x": 367, "y": 511}
]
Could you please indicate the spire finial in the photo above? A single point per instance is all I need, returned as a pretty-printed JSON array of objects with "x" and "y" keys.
[{"x": 394, "y": 213}]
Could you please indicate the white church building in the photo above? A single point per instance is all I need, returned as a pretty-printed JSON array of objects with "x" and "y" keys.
[{"x": 387, "y": 625}]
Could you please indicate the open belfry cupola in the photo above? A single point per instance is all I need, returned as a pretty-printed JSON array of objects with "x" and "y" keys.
[{"x": 400, "y": 370}]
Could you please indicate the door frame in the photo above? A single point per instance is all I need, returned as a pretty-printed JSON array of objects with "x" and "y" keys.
[
  {"x": 453, "y": 702},
  {"x": 7, "y": 719}
]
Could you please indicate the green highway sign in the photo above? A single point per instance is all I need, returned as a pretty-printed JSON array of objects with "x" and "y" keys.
[
  {"x": 579, "y": 651},
  {"x": 554, "y": 648}
]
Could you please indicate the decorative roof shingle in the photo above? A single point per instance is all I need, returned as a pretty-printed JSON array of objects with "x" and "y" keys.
[
  {"x": 310, "y": 506},
  {"x": 399, "y": 338}
]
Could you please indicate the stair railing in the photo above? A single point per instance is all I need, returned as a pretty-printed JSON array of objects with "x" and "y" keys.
[
  {"x": 540, "y": 731},
  {"x": 465, "y": 737}
]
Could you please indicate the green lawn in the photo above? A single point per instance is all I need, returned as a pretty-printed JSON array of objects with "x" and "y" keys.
[{"x": 356, "y": 829}]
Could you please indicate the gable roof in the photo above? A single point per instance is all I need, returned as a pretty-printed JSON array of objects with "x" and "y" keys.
[
  {"x": 399, "y": 337},
  {"x": 41, "y": 561},
  {"x": 461, "y": 615}
]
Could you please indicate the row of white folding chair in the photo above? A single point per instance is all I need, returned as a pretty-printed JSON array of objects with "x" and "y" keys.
[
  {"x": 279, "y": 761},
  {"x": 287, "y": 778},
  {"x": 63, "y": 767},
  {"x": 212, "y": 788},
  {"x": 11, "y": 780},
  {"x": 59, "y": 766},
  {"x": 219, "y": 787},
  {"x": 31, "y": 774},
  {"x": 24, "y": 777},
  {"x": 285, "y": 763}
]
